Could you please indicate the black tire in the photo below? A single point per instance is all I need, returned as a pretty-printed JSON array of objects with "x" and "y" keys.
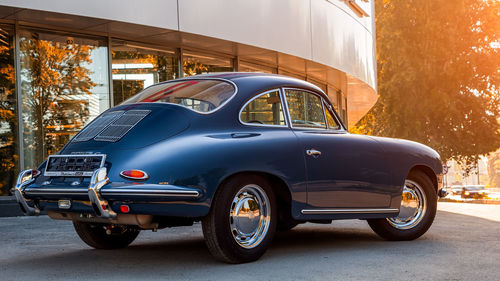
[
  {"x": 390, "y": 232},
  {"x": 217, "y": 226},
  {"x": 286, "y": 226},
  {"x": 94, "y": 235}
]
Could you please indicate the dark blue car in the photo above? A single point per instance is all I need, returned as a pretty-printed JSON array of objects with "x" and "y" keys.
[{"x": 246, "y": 154}]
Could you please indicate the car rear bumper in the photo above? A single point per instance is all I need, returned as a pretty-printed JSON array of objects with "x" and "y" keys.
[
  {"x": 103, "y": 198},
  {"x": 143, "y": 192}
]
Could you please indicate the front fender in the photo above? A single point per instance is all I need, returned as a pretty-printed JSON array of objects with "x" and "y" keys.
[{"x": 403, "y": 155}]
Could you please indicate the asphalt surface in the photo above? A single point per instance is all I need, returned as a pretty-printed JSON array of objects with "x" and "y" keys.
[{"x": 463, "y": 244}]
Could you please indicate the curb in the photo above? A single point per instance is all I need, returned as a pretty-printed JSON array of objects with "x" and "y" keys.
[
  {"x": 9, "y": 207},
  {"x": 471, "y": 201}
]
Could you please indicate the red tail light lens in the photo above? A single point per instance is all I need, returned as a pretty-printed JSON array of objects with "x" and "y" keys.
[
  {"x": 35, "y": 173},
  {"x": 124, "y": 208},
  {"x": 134, "y": 174}
]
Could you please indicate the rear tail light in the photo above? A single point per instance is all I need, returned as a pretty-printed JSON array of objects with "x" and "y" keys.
[
  {"x": 134, "y": 174},
  {"x": 28, "y": 176}
]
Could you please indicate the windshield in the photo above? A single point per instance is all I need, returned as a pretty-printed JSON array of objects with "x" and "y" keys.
[{"x": 199, "y": 95}]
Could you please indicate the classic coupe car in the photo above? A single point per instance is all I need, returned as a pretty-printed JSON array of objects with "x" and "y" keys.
[{"x": 246, "y": 154}]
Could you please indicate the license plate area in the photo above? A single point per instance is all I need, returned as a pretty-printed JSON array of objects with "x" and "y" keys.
[{"x": 73, "y": 165}]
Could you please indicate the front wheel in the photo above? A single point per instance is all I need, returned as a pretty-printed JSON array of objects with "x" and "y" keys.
[
  {"x": 242, "y": 221},
  {"x": 417, "y": 212},
  {"x": 105, "y": 236}
]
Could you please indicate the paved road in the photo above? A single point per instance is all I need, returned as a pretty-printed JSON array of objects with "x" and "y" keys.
[{"x": 463, "y": 244}]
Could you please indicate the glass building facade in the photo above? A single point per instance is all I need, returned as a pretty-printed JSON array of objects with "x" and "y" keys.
[{"x": 54, "y": 82}]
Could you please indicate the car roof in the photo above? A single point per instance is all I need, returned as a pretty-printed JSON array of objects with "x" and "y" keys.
[{"x": 264, "y": 80}]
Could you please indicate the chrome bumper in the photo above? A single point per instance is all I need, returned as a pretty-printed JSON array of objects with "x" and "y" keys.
[
  {"x": 101, "y": 206},
  {"x": 19, "y": 190},
  {"x": 97, "y": 195}
]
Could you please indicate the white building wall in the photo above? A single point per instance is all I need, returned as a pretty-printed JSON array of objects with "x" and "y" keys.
[
  {"x": 324, "y": 31},
  {"x": 159, "y": 13}
]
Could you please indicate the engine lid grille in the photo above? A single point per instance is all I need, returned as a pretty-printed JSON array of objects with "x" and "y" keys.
[{"x": 111, "y": 126}]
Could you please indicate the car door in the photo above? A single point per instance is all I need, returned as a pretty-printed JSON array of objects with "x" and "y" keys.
[{"x": 343, "y": 170}]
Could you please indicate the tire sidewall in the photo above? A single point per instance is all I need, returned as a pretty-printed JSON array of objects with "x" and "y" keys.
[
  {"x": 430, "y": 199},
  {"x": 221, "y": 211},
  {"x": 386, "y": 230}
]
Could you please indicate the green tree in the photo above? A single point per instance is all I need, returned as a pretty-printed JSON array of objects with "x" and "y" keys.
[{"x": 438, "y": 73}]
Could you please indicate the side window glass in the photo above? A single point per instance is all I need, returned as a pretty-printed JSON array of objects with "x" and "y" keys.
[
  {"x": 306, "y": 109},
  {"x": 330, "y": 120},
  {"x": 266, "y": 109}
]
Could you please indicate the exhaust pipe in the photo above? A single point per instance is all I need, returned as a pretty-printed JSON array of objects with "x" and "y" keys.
[{"x": 442, "y": 193}]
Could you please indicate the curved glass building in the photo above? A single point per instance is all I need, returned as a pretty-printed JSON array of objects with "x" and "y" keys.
[{"x": 64, "y": 62}]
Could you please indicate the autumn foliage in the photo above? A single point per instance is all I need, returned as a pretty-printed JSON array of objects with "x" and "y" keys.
[{"x": 438, "y": 75}]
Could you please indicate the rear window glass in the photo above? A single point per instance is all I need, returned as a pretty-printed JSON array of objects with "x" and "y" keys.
[{"x": 199, "y": 95}]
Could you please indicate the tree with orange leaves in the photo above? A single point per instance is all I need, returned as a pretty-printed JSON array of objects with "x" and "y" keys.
[
  {"x": 438, "y": 75},
  {"x": 53, "y": 74}
]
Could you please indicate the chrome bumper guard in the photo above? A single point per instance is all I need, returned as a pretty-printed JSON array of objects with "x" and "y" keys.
[
  {"x": 21, "y": 184},
  {"x": 101, "y": 206},
  {"x": 95, "y": 192}
]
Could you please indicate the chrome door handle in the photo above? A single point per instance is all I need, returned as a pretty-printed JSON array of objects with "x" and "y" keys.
[{"x": 313, "y": 152}]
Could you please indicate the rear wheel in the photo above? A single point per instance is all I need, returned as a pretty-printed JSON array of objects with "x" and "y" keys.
[
  {"x": 417, "y": 212},
  {"x": 105, "y": 236},
  {"x": 242, "y": 221}
]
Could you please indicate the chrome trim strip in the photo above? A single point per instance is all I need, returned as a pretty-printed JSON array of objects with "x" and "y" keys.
[
  {"x": 265, "y": 125},
  {"x": 151, "y": 192},
  {"x": 346, "y": 211},
  {"x": 57, "y": 191},
  {"x": 115, "y": 191}
]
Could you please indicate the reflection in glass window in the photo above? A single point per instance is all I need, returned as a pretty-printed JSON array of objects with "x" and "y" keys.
[
  {"x": 197, "y": 63},
  {"x": 9, "y": 141},
  {"x": 265, "y": 109},
  {"x": 136, "y": 68},
  {"x": 330, "y": 120},
  {"x": 306, "y": 109},
  {"x": 64, "y": 85},
  {"x": 199, "y": 95},
  {"x": 245, "y": 66}
]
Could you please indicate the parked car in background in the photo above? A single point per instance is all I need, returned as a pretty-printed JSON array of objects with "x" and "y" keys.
[
  {"x": 456, "y": 189},
  {"x": 245, "y": 154},
  {"x": 474, "y": 191}
]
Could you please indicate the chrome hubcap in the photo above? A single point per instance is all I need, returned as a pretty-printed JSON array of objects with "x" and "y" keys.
[
  {"x": 413, "y": 207},
  {"x": 250, "y": 216}
]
